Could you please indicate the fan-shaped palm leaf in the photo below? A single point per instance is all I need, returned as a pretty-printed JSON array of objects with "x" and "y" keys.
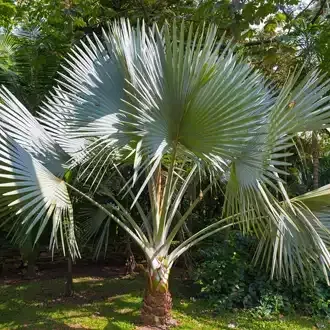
[
  {"x": 32, "y": 170},
  {"x": 168, "y": 95},
  {"x": 96, "y": 226},
  {"x": 296, "y": 108},
  {"x": 54, "y": 116},
  {"x": 296, "y": 249}
]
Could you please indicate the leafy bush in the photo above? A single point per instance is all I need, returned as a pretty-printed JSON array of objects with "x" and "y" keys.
[
  {"x": 269, "y": 305},
  {"x": 221, "y": 274},
  {"x": 227, "y": 277}
]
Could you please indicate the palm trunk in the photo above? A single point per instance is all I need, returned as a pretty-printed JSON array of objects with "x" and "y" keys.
[
  {"x": 157, "y": 302},
  {"x": 315, "y": 155}
]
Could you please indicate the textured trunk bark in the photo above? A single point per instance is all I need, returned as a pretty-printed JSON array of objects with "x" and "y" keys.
[
  {"x": 157, "y": 301},
  {"x": 69, "y": 282},
  {"x": 130, "y": 261},
  {"x": 315, "y": 155},
  {"x": 157, "y": 308}
]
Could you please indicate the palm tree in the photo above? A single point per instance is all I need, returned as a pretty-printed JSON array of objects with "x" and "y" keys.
[{"x": 168, "y": 102}]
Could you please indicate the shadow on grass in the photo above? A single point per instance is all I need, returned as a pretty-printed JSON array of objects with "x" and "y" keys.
[
  {"x": 101, "y": 303},
  {"x": 96, "y": 304}
]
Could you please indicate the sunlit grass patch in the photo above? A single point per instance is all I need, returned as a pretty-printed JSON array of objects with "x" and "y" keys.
[{"x": 115, "y": 304}]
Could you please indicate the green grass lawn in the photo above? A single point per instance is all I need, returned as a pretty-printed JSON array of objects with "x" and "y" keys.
[{"x": 114, "y": 304}]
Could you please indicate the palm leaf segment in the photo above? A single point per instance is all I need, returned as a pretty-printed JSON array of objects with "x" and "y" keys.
[
  {"x": 53, "y": 117},
  {"x": 290, "y": 233},
  {"x": 295, "y": 108},
  {"x": 301, "y": 240},
  {"x": 31, "y": 171}
]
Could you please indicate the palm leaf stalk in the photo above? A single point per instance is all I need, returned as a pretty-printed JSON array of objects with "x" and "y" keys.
[{"x": 177, "y": 108}]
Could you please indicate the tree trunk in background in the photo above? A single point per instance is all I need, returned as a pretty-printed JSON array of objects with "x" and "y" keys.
[
  {"x": 130, "y": 261},
  {"x": 157, "y": 301},
  {"x": 315, "y": 155},
  {"x": 31, "y": 266},
  {"x": 29, "y": 254},
  {"x": 69, "y": 282}
]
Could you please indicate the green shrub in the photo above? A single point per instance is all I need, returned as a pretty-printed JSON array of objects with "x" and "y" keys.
[{"x": 227, "y": 277}]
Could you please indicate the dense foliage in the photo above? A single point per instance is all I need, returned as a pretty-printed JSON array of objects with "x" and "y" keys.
[{"x": 226, "y": 275}]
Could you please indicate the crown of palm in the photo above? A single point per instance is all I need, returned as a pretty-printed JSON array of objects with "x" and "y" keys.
[{"x": 143, "y": 94}]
